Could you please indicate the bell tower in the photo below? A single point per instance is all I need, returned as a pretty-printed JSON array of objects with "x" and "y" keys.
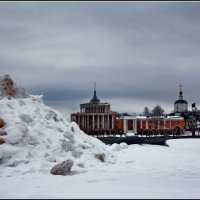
[{"x": 180, "y": 105}]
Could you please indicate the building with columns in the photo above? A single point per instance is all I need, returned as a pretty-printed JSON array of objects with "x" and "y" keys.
[
  {"x": 95, "y": 117},
  {"x": 180, "y": 105},
  {"x": 160, "y": 125}
]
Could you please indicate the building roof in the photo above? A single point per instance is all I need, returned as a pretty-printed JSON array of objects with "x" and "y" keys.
[
  {"x": 181, "y": 101},
  {"x": 94, "y": 98},
  {"x": 175, "y": 117}
]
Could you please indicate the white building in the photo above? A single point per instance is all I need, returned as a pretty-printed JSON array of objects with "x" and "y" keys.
[{"x": 180, "y": 105}]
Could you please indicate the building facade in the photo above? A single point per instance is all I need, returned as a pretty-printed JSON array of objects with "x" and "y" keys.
[
  {"x": 160, "y": 125},
  {"x": 95, "y": 117},
  {"x": 141, "y": 125},
  {"x": 125, "y": 124}
]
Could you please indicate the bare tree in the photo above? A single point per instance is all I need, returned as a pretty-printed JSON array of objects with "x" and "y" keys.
[
  {"x": 158, "y": 111},
  {"x": 146, "y": 111}
]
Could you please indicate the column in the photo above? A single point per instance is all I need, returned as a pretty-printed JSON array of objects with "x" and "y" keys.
[
  {"x": 92, "y": 121},
  {"x": 83, "y": 121},
  {"x": 108, "y": 121},
  {"x": 82, "y": 117},
  {"x": 135, "y": 125},
  {"x": 112, "y": 122},
  {"x": 146, "y": 124},
  {"x": 103, "y": 126},
  {"x": 80, "y": 121},
  {"x": 98, "y": 121},
  {"x": 88, "y": 121},
  {"x": 125, "y": 125}
]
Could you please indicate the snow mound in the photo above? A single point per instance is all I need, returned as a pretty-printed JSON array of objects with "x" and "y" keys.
[
  {"x": 38, "y": 137},
  {"x": 118, "y": 147}
]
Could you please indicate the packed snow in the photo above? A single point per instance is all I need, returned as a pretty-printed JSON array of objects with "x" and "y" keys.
[
  {"x": 34, "y": 138},
  {"x": 140, "y": 171}
]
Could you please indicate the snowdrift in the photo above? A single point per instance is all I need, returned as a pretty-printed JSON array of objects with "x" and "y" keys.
[{"x": 35, "y": 137}]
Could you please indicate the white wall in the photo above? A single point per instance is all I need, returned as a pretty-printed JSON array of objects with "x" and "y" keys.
[{"x": 180, "y": 107}]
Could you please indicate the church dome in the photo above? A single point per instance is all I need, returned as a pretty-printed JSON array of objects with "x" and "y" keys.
[{"x": 181, "y": 101}]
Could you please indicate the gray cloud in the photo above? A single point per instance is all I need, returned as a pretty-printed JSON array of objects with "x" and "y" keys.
[{"x": 137, "y": 52}]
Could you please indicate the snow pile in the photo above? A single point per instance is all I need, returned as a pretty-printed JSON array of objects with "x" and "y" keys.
[
  {"x": 118, "y": 147},
  {"x": 37, "y": 138}
]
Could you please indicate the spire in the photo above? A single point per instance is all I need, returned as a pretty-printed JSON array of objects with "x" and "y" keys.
[
  {"x": 94, "y": 98},
  {"x": 180, "y": 93},
  {"x": 95, "y": 95}
]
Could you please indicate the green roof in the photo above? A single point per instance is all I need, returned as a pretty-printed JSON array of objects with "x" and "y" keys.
[{"x": 181, "y": 101}]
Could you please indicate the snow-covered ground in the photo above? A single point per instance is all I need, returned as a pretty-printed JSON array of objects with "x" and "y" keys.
[
  {"x": 34, "y": 138},
  {"x": 139, "y": 171}
]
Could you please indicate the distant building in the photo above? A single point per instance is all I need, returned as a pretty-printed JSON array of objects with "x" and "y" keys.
[
  {"x": 142, "y": 125},
  {"x": 180, "y": 105},
  {"x": 160, "y": 125},
  {"x": 95, "y": 117}
]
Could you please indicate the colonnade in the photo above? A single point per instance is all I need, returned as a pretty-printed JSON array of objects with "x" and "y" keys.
[
  {"x": 95, "y": 121},
  {"x": 155, "y": 124}
]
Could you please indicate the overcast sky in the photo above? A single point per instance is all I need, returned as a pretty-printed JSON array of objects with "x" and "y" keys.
[{"x": 137, "y": 52}]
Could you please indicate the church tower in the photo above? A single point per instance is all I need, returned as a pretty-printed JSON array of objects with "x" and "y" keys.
[{"x": 180, "y": 105}]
